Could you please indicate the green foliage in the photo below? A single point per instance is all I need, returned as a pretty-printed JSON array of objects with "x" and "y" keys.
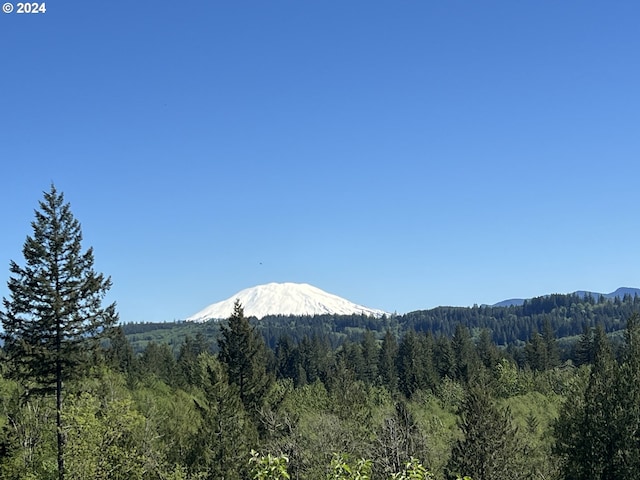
[
  {"x": 158, "y": 359},
  {"x": 438, "y": 424},
  {"x": 413, "y": 470},
  {"x": 104, "y": 441},
  {"x": 28, "y": 438},
  {"x": 120, "y": 355},
  {"x": 188, "y": 358},
  {"x": 535, "y": 413},
  {"x": 542, "y": 351},
  {"x": 507, "y": 382},
  {"x": 171, "y": 333},
  {"x": 342, "y": 468},
  {"x": 269, "y": 467}
]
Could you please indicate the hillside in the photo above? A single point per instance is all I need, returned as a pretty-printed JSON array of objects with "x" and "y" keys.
[{"x": 620, "y": 293}]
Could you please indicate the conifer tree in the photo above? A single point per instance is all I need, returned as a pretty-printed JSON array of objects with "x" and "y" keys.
[
  {"x": 411, "y": 374},
  {"x": 187, "y": 363},
  {"x": 120, "y": 354},
  {"x": 287, "y": 359},
  {"x": 491, "y": 448},
  {"x": 629, "y": 399},
  {"x": 221, "y": 444},
  {"x": 551, "y": 344},
  {"x": 370, "y": 353},
  {"x": 583, "y": 349},
  {"x": 316, "y": 359},
  {"x": 350, "y": 354},
  {"x": 158, "y": 359},
  {"x": 536, "y": 352},
  {"x": 387, "y": 370},
  {"x": 444, "y": 358},
  {"x": 243, "y": 352},
  {"x": 488, "y": 353},
  {"x": 54, "y": 319},
  {"x": 464, "y": 353},
  {"x": 587, "y": 431}
]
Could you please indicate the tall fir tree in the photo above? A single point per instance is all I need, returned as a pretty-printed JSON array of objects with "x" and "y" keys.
[
  {"x": 583, "y": 348},
  {"x": 444, "y": 357},
  {"x": 120, "y": 355},
  {"x": 488, "y": 353},
  {"x": 629, "y": 400},
  {"x": 409, "y": 363},
  {"x": 370, "y": 353},
  {"x": 551, "y": 344},
  {"x": 536, "y": 352},
  {"x": 158, "y": 359},
  {"x": 54, "y": 320},
  {"x": 243, "y": 352},
  {"x": 464, "y": 353},
  {"x": 387, "y": 370},
  {"x": 187, "y": 363},
  {"x": 491, "y": 448},
  {"x": 221, "y": 444},
  {"x": 588, "y": 437}
]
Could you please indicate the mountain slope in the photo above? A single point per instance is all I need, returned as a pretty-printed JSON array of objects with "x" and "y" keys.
[
  {"x": 620, "y": 292},
  {"x": 284, "y": 299}
]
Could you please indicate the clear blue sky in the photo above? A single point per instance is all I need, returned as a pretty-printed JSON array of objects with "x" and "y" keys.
[{"x": 403, "y": 154}]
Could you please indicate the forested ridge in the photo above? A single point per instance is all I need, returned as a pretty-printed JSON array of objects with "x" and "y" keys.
[
  {"x": 567, "y": 315},
  {"x": 547, "y": 390}
]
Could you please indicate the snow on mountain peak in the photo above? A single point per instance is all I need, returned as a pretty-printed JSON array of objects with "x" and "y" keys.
[{"x": 283, "y": 299}]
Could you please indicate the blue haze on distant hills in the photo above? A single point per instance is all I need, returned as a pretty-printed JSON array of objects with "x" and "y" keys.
[{"x": 620, "y": 292}]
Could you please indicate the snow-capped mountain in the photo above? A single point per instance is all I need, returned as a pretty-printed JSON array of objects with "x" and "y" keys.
[{"x": 283, "y": 299}]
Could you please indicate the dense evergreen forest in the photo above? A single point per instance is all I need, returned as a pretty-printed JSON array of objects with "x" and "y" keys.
[
  {"x": 548, "y": 390},
  {"x": 450, "y": 405}
]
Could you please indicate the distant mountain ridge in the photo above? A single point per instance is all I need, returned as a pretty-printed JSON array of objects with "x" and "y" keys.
[
  {"x": 568, "y": 315},
  {"x": 620, "y": 292},
  {"x": 284, "y": 299}
]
